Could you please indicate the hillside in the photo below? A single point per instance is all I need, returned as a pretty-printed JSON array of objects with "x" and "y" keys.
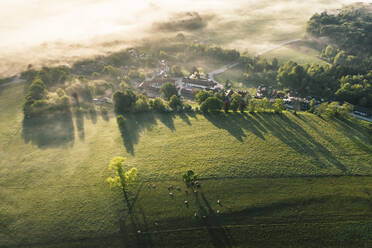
[{"x": 53, "y": 189}]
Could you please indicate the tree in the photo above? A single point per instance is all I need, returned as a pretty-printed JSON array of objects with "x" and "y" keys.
[
  {"x": 124, "y": 102},
  {"x": 175, "y": 103},
  {"x": 235, "y": 102},
  {"x": 211, "y": 104},
  {"x": 37, "y": 90},
  {"x": 275, "y": 64},
  {"x": 345, "y": 110},
  {"x": 123, "y": 175},
  {"x": 312, "y": 105},
  {"x": 168, "y": 90},
  {"x": 158, "y": 105},
  {"x": 141, "y": 105},
  {"x": 202, "y": 95},
  {"x": 190, "y": 178},
  {"x": 278, "y": 105}
]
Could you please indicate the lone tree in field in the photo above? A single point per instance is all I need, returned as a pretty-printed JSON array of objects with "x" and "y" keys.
[
  {"x": 123, "y": 176},
  {"x": 190, "y": 178}
]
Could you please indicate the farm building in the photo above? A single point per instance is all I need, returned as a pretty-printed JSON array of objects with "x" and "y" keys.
[{"x": 154, "y": 84}]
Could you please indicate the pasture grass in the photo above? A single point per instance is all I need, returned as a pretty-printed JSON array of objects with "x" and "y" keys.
[
  {"x": 295, "y": 180},
  {"x": 300, "y": 54}
]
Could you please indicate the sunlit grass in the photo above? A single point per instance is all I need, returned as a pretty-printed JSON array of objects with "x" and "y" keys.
[{"x": 57, "y": 192}]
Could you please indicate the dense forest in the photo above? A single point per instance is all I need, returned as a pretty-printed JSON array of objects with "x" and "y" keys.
[{"x": 349, "y": 52}]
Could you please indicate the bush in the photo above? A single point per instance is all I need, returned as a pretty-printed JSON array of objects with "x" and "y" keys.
[{"x": 211, "y": 104}]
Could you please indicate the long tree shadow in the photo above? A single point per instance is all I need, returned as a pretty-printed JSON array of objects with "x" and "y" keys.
[
  {"x": 293, "y": 135},
  {"x": 79, "y": 121},
  {"x": 140, "y": 228},
  {"x": 49, "y": 130},
  {"x": 285, "y": 129},
  {"x": 356, "y": 133},
  {"x": 167, "y": 120},
  {"x": 134, "y": 125},
  {"x": 218, "y": 235},
  {"x": 228, "y": 123}
]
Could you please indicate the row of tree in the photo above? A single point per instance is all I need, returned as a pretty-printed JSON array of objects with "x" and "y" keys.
[{"x": 211, "y": 103}]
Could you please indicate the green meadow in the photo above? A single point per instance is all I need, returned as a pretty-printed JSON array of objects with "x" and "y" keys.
[{"x": 283, "y": 180}]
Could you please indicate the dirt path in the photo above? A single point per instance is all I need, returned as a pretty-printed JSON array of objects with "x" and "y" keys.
[{"x": 278, "y": 46}]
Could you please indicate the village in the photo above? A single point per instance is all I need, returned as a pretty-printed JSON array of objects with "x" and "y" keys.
[{"x": 190, "y": 85}]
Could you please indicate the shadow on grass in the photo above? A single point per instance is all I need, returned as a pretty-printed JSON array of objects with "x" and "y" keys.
[
  {"x": 230, "y": 122},
  {"x": 79, "y": 121},
  {"x": 166, "y": 119},
  {"x": 356, "y": 133},
  {"x": 139, "y": 227},
  {"x": 290, "y": 208},
  {"x": 134, "y": 125},
  {"x": 287, "y": 130},
  {"x": 295, "y": 136},
  {"x": 47, "y": 131},
  {"x": 219, "y": 237}
]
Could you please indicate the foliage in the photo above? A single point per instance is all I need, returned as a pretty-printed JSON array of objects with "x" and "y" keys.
[
  {"x": 236, "y": 101},
  {"x": 79, "y": 88},
  {"x": 136, "y": 74},
  {"x": 168, "y": 90},
  {"x": 142, "y": 105},
  {"x": 187, "y": 107},
  {"x": 54, "y": 75},
  {"x": 121, "y": 177},
  {"x": 202, "y": 95},
  {"x": 356, "y": 89},
  {"x": 157, "y": 105},
  {"x": 175, "y": 103},
  {"x": 190, "y": 178},
  {"x": 38, "y": 103},
  {"x": 350, "y": 29},
  {"x": 111, "y": 71},
  {"x": 313, "y": 80},
  {"x": 37, "y": 90},
  {"x": 334, "y": 109},
  {"x": 176, "y": 71},
  {"x": 278, "y": 105},
  {"x": 211, "y": 104},
  {"x": 312, "y": 105},
  {"x": 124, "y": 102}
]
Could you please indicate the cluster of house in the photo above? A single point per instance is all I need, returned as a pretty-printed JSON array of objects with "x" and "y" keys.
[
  {"x": 290, "y": 102},
  {"x": 187, "y": 86}
]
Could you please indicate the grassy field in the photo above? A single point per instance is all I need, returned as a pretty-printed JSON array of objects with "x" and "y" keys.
[
  {"x": 235, "y": 75},
  {"x": 300, "y": 54},
  {"x": 294, "y": 181}
]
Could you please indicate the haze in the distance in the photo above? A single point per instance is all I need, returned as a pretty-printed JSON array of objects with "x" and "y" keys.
[{"x": 51, "y": 31}]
